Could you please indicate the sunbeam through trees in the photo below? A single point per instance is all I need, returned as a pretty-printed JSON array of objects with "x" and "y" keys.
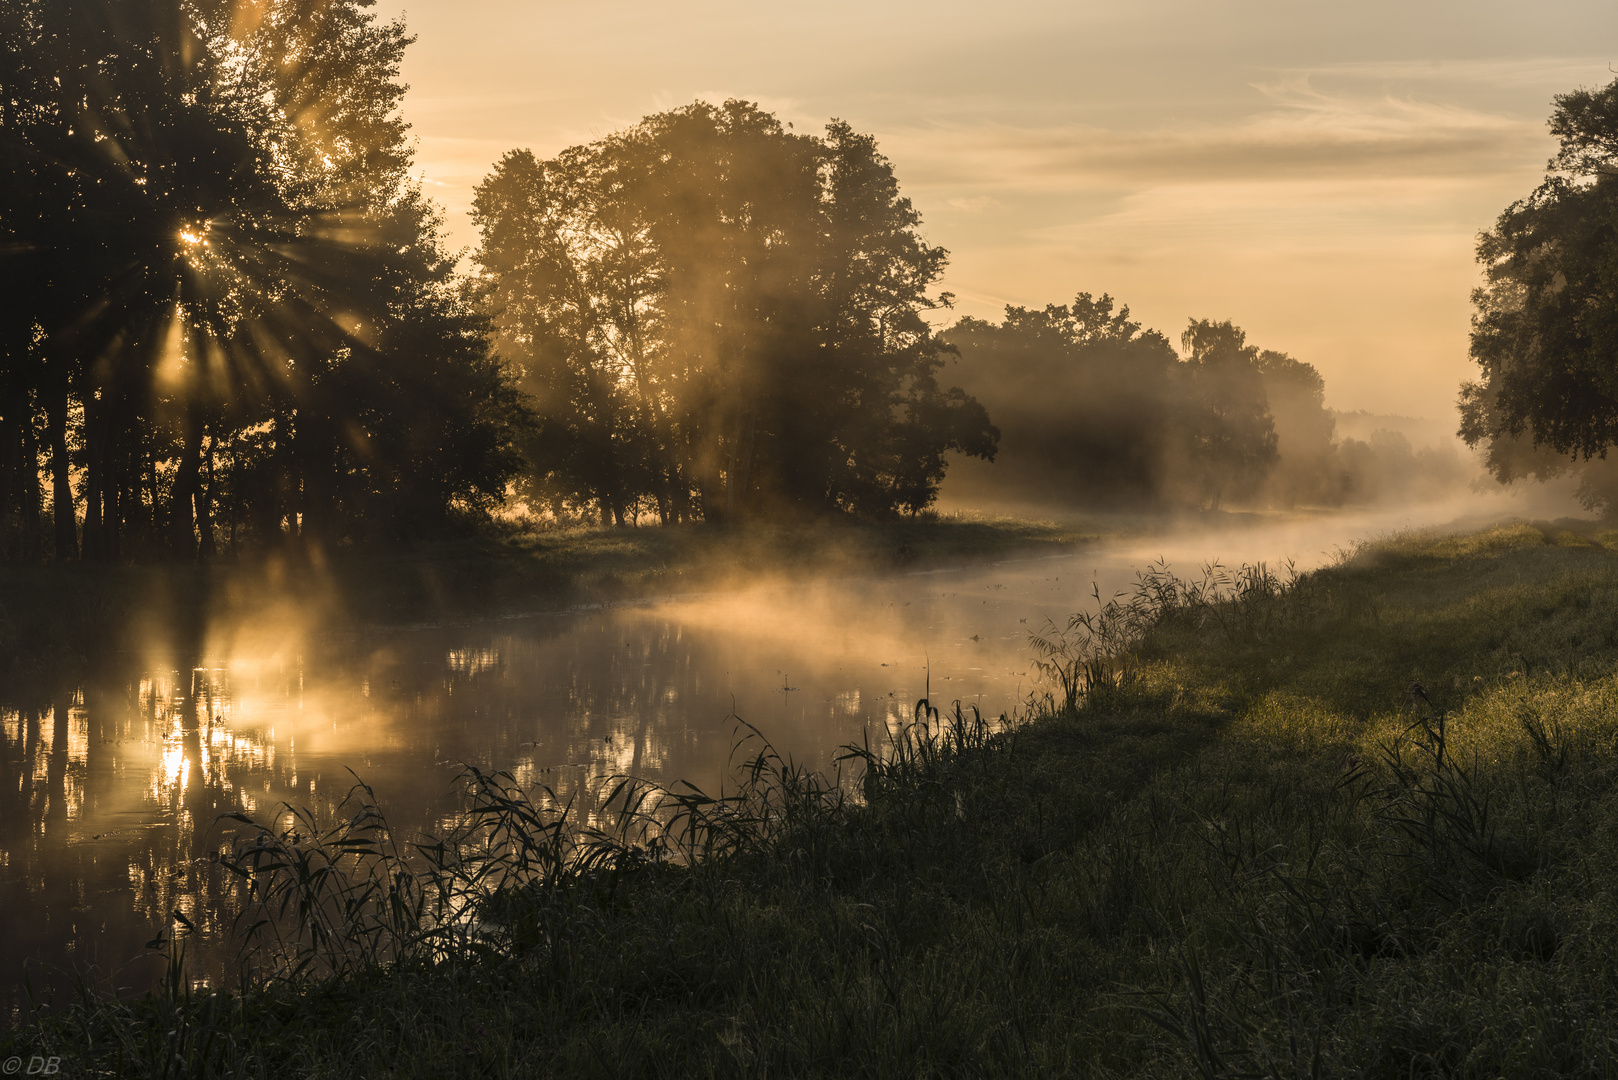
[{"x": 229, "y": 310}]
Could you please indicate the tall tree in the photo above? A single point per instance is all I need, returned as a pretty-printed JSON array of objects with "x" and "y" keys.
[
  {"x": 1083, "y": 393},
  {"x": 570, "y": 277},
  {"x": 722, "y": 315},
  {"x": 1307, "y": 469},
  {"x": 1545, "y": 325}
]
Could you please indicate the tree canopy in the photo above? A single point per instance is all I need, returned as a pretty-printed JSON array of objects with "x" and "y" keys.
[
  {"x": 1081, "y": 393},
  {"x": 229, "y": 309},
  {"x": 1545, "y": 325},
  {"x": 719, "y": 316},
  {"x": 1227, "y": 431},
  {"x": 232, "y": 319},
  {"x": 1099, "y": 410}
]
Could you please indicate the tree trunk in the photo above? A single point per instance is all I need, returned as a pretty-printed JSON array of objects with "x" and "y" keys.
[
  {"x": 182, "y": 534},
  {"x": 270, "y": 506},
  {"x": 10, "y": 452},
  {"x": 106, "y": 478},
  {"x": 155, "y": 518},
  {"x": 680, "y": 493},
  {"x": 95, "y": 473},
  {"x": 315, "y": 447},
  {"x": 112, "y": 499},
  {"x": 28, "y": 495},
  {"x": 65, "y": 525},
  {"x": 730, "y": 476},
  {"x": 741, "y": 464},
  {"x": 204, "y": 504},
  {"x": 707, "y": 501}
]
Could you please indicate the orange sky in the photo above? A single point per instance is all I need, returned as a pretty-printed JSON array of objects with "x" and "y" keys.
[{"x": 1316, "y": 172}]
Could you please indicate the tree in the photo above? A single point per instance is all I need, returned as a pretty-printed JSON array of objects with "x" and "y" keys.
[
  {"x": 572, "y": 280},
  {"x": 1083, "y": 394},
  {"x": 1099, "y": 410},
  {"x": 1307, "y": 468},
  {"x": 1226, "y": 434},
  {"x": 218, "y": 251},
  {"x": 723, "y": 316},
  {"x": 1545, "y": 325}
]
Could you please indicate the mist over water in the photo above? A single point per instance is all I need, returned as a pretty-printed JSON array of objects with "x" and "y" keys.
[{"x": 113, "y": 789}]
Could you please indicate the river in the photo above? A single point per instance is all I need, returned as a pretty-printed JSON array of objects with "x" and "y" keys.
[{"x": 111, "y": 792}]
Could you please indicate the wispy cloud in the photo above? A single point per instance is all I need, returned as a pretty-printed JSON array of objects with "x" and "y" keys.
[
  {"x": 975, "y": 204},
  {"x": 1300, "y": 133},
  {"x": 1552, "y": 73}
]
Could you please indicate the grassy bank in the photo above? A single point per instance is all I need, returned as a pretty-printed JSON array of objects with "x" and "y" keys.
[
  {"x": 56, "y": 617},
  {"x": 596, "y": 564},
  {"x": 1360, "y": 825}
]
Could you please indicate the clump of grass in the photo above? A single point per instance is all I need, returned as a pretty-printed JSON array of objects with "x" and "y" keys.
[
  {"x": 329, "y": 899},
  {"x": 1095, "y": 655}
]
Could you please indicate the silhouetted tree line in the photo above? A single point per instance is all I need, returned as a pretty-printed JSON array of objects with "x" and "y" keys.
[
  {"x": 1097, "y": 410},
  {"x": 231, "y": 319},
  {"x": 716, "y": 316}
]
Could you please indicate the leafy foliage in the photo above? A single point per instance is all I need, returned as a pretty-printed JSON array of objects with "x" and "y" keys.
[
  {"x": 1097, "y": 409},
  {"x": 722, "y": 317},
  {"x": 221, "y": 276},
  {"x": 1545, "y": 328}
]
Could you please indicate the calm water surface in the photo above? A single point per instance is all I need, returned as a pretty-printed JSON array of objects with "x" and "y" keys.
[{"x": 110, "y": 792}]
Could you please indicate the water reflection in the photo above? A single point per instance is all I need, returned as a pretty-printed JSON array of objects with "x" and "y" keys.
[
  {"x": 114, "y": 791},
  {"x": 111, "y": 793}
]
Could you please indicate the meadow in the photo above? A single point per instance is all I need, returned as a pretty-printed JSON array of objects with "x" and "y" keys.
[{"x": 1356, "y": 823}]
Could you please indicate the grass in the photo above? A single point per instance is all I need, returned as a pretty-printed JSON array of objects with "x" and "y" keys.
[{"x": 1359, "y": 824}]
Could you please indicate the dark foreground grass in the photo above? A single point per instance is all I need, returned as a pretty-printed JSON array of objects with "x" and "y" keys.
[{"x": 1359, "y": 826}]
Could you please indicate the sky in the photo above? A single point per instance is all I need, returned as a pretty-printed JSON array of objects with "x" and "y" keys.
[{"x": 1316, "y": 172}]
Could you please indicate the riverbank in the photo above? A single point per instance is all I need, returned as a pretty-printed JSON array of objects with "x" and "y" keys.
[
  {"x": 55, "y": 618},
  {"x": 1356, "y": 825}
]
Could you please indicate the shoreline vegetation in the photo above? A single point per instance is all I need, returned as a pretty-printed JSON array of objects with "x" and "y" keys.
[
  {"x": 1356, "y": 823},
  {"x": 57, "y": 618}
]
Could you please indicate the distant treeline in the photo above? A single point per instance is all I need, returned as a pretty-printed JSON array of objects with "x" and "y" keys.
[{"x": 1094, "y": 410}]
